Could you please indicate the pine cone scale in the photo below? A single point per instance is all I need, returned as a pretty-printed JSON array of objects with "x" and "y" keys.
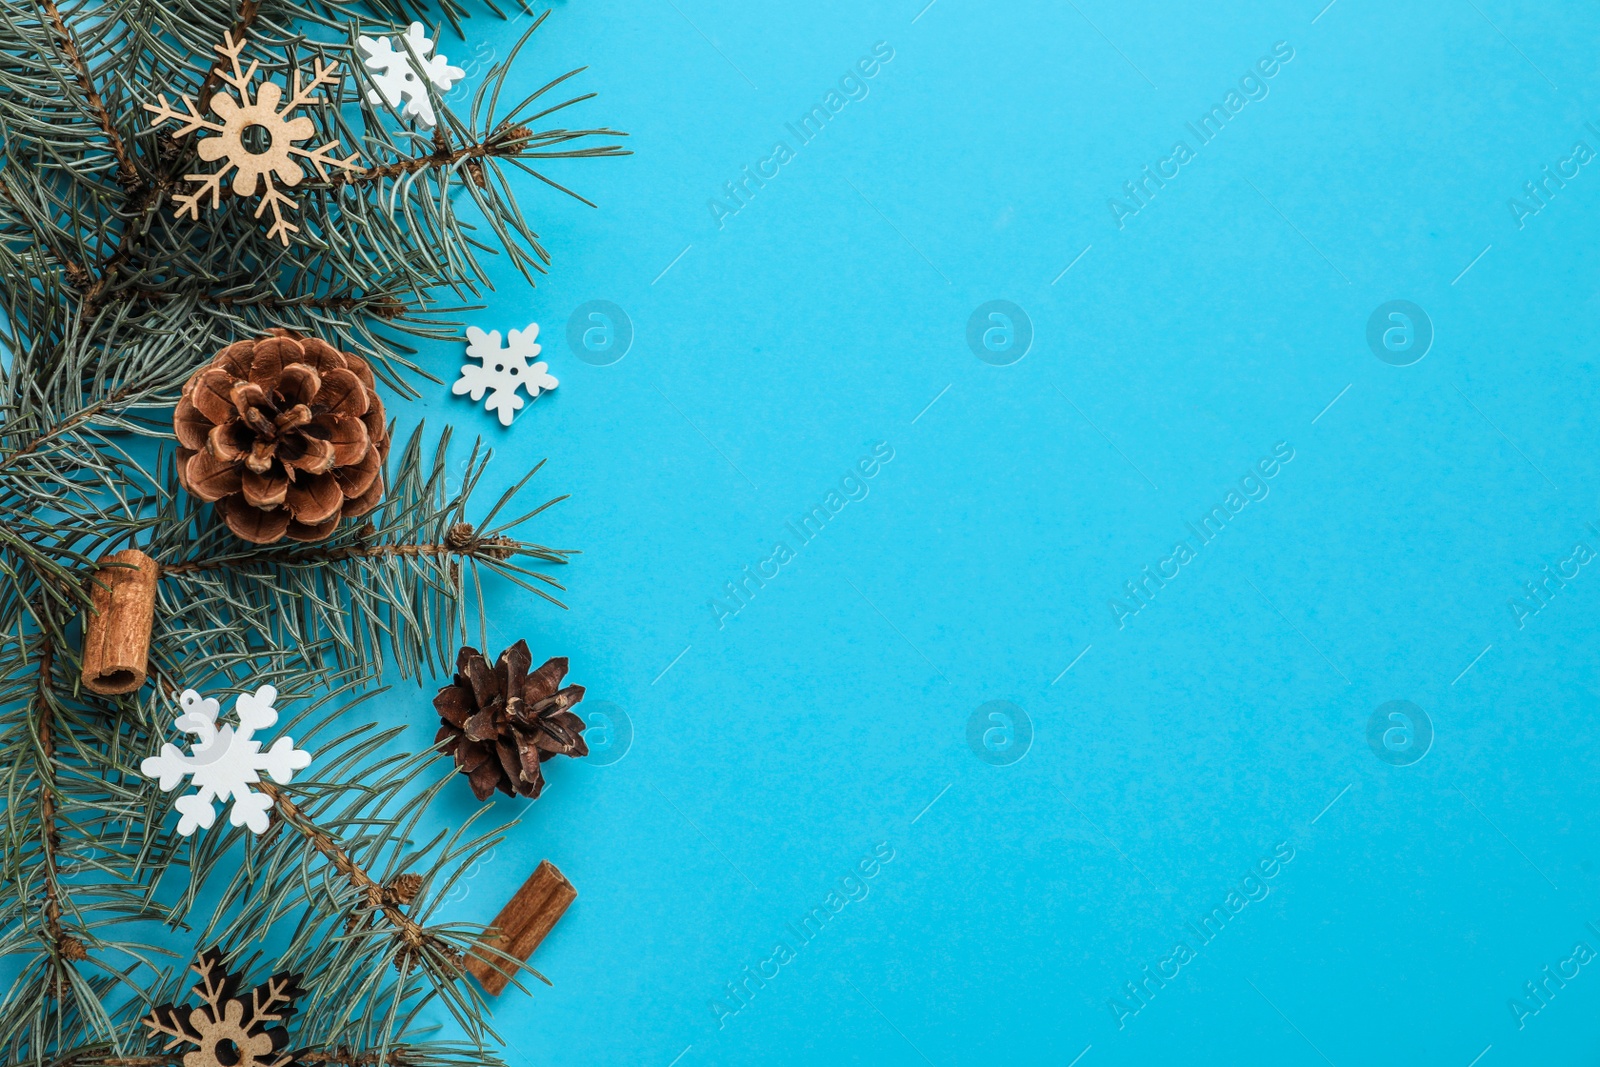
[
  {"x": 293, "y": 419},
  {"x": 485, "y": 779},
  {"x": 478, "y": 675},
  {"x": 261, "y": 456},
  {"x": 213, "y": 395},
  {"x": 484, "y": 726},
  {"x": 211, "y": 479},
  {"x": 357, "y": 478},
  {"x": 286, "y": 435},
  {"x": 558, "y": 701},
  {"x": 253, "y": 524},
  {"x": 225, "y": 442},
  {"x": 558, "y": 737},
  {"x": 192, "y": 428},
  {"x": 355, "y": 507},
  {"x": 248, "y": 398},
  {"x": 236, "y": 357},
  {"x": 471, "y": 756},
  {"x": 510, "y": 762},
  {"x": 453, "y": 709},
  {"x": 315, "y": 499},
  {"x": 270, "y": 355},
  {"x": 512, "y": 668},
  {"x": 343, "y": 394},
  {"x": 263, "y": 490},
  {"x": 299, "y": 383},
  {"x": 349, "y": 440},
  {"x": 547, "y": 679},
  {"x": 315, "y": 456}
]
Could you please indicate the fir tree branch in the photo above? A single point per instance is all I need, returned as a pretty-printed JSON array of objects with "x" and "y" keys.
[
  {"x": 108, "y": 304},
  {"x": 50, "y": 835},
  {"x": 462, "y": 540},
  {"x": 509, "y": 143},
  {"x": 385, "y": 306},
  {"x": 347, "y": 1058},
  {"x": 441, "y": 157},
  {"x": 46, "y": 237},
  {"x": 143, "y": 200},
  {"x": 126, "y": 171},
  {"x": 82, "y": 416},
  {"x": 412, "y": 934},
  {"x": 335, "y": 1057}
]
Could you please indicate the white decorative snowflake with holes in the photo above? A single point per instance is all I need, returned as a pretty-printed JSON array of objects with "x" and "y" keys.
[
  {"x": 504, "y": 370},
  {"x": 225, "y": 761},
  {"x": 399, "y": 78}
]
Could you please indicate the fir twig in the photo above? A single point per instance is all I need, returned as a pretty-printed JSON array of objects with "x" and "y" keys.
[
  {"x": 108, "y": 303},
  {"x": 50, "y": 837},
  {"x": 410, "y": 932},
  {"x": 126, "y": 171}
]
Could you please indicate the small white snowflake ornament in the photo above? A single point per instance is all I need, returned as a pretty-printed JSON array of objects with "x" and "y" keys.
[
  {"x": 504, "y": 370},
  {"x": 398, "y": 78},
  {"x": 225, "y": 761}
]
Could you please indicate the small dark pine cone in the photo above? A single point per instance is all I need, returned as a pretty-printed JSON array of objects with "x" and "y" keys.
[
  {"x": 285, "y": 434},
  {"x": 405, "y": 888},
  {"x": 501, "y": 722}
]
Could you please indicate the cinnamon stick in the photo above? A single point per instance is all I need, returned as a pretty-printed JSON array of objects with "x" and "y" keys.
[
  {"x": 116, "y": 631},
  {"x": 522, "y": 924}
]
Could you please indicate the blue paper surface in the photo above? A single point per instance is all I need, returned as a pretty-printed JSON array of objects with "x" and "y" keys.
[{"x": 1316, "y": 787}]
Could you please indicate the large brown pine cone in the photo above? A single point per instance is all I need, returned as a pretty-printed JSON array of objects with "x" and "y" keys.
[
  {"x": 501, "y": 722},
  {"x": 285, "y": 434}
]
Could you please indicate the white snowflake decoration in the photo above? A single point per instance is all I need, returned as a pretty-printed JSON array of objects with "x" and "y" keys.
[
  {"x": 399, "y": 78},
  {"x": 225, "y": 760},
  {"x": 504, "y": 370}
]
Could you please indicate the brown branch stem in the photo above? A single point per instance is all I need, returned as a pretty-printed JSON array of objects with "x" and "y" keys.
[
  {"x": 441, "y": 156},
  {"x": 335, "y": 1057},
  {"x": 383, "y": 305},
  {"x": 142, "y": 199},
  {"x": 97, "y": 105},
  {"x": 511, "y": 141},
  {"x": 410, "y": 931},
  {"x": 63, "y": 949},
  {"x": 317, "y": 555},
  {"x": 67, "y": 425}
]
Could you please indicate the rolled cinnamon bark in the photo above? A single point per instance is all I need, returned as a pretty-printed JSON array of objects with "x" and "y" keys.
[
  {"x": 116, "y": 631},
  {"x": 522, "y": 924}
]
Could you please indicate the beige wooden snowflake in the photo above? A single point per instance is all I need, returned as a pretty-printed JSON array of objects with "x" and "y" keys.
[
  {"x": 255, "y": 106},
  {"x": 230, "y": 1028}
]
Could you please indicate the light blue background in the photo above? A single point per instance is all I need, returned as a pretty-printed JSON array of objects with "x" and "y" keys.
[{"x": 1230, "y": 714}]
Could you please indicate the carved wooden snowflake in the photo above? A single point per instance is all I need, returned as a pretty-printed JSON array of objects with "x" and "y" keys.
[
  {"x": 229, "y": 1030},
  {"x": 253, "y": 106}
]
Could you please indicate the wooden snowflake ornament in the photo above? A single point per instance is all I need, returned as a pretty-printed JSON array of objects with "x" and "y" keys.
[
  {"x": 225, "y": 761},
  {"x": 229, "y": 1030},
  {"x": 253, "y": 171}
]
